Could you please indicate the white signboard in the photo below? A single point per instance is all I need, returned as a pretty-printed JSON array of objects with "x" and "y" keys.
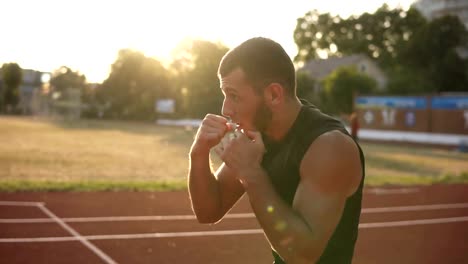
[{"x": 165, "y": 106}]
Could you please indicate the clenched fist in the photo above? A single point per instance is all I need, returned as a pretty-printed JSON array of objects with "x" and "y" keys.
[
  {"x": 211, "y": 131},
  {"x": 243, "y": 153}
]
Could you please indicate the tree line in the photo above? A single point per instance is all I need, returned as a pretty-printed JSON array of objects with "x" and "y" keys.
[{"x": 418, "y": 57}]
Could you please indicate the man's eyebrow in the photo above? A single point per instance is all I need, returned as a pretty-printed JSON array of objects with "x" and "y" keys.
[{"x": 228, "y": 89}]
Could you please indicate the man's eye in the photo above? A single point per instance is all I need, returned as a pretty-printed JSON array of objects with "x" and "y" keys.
[{"x": 234, "y": 97}]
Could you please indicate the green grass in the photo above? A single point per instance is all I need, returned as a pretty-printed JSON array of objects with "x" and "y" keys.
[
  {"x": 383, "y": 180},
  {"x": 422, "y": 163},
  {"x": 105, "y": 151},
  {"x": 91, "y": 155},
  {"x": 88, "y": 186}
]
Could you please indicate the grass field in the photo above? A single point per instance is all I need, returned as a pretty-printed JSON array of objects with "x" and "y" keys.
[{"x": 106, "y": 155}]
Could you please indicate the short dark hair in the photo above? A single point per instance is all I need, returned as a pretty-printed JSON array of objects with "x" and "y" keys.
[{"x": 263, "y": 61}]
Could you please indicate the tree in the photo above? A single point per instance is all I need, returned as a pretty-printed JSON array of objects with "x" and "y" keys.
[
  {"x": 12, "y": 76},
  {"x": 380, "y": 35},
  {"x": 405, "y": 80},
  {"x": 419, "y": 57},
  {"x": 64, "y": 81},
  {"x": 65, "y": 78},
  {"x": 196, "y": 67},
  {"x": 67, "y": 90},
  {"x": 305, "y": 87},
  {"x": 433, "y": 52},
  {"x": 133, "y": 86},
  {"x": 341, "y": 86}
]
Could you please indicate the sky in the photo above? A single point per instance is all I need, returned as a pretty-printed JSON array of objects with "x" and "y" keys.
[{"x": 86, "y": 35}]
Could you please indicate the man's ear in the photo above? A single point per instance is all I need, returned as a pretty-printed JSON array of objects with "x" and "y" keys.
[{"x": 274, "y": 94}]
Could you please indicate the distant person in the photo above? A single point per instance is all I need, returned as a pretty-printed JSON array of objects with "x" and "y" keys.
[
  {"x": 354, "y": 122},
  {"x": 302, "y": 172}
]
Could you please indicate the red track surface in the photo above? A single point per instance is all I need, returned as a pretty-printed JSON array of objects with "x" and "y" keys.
[{"x": 417, "y": 240}]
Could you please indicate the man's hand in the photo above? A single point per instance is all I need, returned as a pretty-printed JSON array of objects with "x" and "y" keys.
[
  {"x": 243, "y": 155},
  {"x": 210, "y": 133}
]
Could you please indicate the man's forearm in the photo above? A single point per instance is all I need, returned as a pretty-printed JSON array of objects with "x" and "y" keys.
[
  {"x": 203, "y": 188},
  {"x": 287, "y": 232}
]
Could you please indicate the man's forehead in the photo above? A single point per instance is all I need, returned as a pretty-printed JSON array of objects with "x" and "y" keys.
[{"x": 233, "y": 79}]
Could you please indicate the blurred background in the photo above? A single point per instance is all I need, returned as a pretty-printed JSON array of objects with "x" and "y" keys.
[
  {"x": 399, "y": 66},
  {"x": 142, "y": 61},
  {"x": 73, "y": 73},
  {"x": 81, "y": 70},
  {"x": 100, "y": 96}
]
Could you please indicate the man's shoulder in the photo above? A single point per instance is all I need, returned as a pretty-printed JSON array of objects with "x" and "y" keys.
[
  {"x": 334, "y": 145},
  {"x": 333, "y": 160}
]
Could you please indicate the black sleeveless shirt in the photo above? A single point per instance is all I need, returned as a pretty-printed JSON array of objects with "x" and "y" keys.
[{"x": 282, "y": 161}]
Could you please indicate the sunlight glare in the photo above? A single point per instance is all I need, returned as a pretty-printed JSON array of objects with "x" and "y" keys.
[{"x": 87, "y": 35}]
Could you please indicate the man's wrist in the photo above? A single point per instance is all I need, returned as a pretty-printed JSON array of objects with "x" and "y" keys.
[
  {"x": 199, "y": 151},
  {"x": 253, "y": 177}
]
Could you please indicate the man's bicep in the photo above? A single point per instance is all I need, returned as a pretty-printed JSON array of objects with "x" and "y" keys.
[{"x": 321, "y": 211}]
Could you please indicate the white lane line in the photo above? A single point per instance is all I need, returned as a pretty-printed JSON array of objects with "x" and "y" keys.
[
  {"x": 223, "y": 232},
  {"x": 121, "y": 218},
  {"x": 15, "y": 203},
  {"x": 136, "y": 236},
  {"x": 180, "y": 234},
  {"x": 77, "y": 236},
  {"x": 38, "y": 239},
  {"x": 415, "y": 222},
  {"x": 414, "y": 208},
  {"x": 228, "y": 216},
  {"x": 26, "y": 221},
  {"x": 380, "y": 191}
]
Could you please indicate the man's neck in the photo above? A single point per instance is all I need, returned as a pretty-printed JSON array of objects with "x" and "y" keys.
[{"x": 283, "y": 120}]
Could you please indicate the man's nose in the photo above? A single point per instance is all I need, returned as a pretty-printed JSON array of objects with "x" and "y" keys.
[{"x": 227, "y": 110}]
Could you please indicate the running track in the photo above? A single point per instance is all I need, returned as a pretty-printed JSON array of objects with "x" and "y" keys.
[{"x": 398, "y": 225}]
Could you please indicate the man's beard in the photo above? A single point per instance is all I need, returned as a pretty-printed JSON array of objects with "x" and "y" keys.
[{"x": 262, "y": 118}]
